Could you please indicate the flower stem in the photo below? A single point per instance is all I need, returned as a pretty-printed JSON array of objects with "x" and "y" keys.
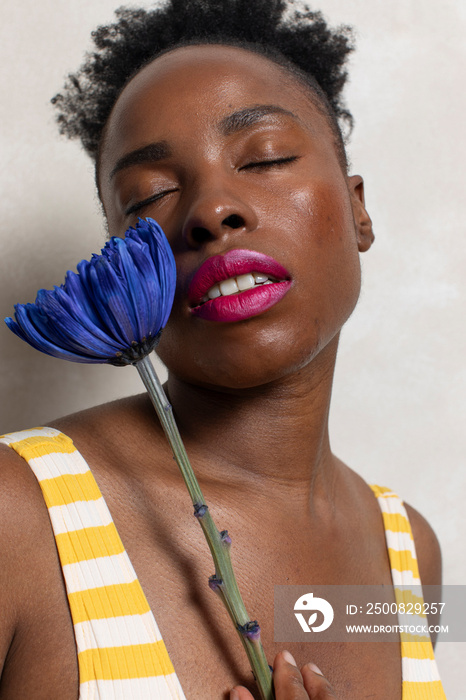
[{"x": 224, "y": 581}]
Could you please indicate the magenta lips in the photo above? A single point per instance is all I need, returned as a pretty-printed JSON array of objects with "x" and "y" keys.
[{"x": 243, "y": 305}]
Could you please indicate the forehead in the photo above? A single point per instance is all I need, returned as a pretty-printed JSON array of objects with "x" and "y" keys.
[{"x": 191, "y": 87}]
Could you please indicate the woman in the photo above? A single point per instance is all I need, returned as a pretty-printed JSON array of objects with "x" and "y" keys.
[{"x": 237, "y": 154}]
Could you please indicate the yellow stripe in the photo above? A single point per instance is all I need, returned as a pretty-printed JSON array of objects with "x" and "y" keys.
[
  {"x": 381, "y": 490},
  {"x": 108, "y": 601},
  {"x": 403, "y": 561},
  {"x": 117, "y": 663},
  {"x": 88, "y": 543},
  {"x": 409, "y": 598},
  {"x": 429, "y": 690},
  {"x": 63, "y": 490},
  {"x": 396, "y": 522},
  {"x": 416, "y": 649},
  {"x": 41, "y": 445}
]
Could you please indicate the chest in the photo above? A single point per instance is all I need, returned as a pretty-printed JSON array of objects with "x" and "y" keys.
[{"x": 172, "y": 560}]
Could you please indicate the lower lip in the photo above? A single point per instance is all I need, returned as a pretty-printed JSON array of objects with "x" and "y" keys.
[{"x": 239, "y": 307}]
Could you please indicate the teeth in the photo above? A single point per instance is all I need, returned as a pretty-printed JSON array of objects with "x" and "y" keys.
[
  {"x": 245, "y": 282},
  {"x": 228, "y": 287},
  {"x": 214, "y": 292},
  {"x": 237, "y": 284}
]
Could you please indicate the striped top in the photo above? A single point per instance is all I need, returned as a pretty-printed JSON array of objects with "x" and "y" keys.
[
  {"x": 421, "y": 680},
  {"x": 121, "y": 654}
]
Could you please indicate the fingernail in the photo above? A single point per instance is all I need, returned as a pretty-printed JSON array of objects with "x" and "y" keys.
[
  {"x": 315, "y": 668},
  {"x": 234, "y": 695},
  {"x": 288, "y": 657}
]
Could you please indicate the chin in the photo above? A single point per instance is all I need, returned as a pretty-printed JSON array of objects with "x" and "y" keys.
[{"x": 252, "y": 368}]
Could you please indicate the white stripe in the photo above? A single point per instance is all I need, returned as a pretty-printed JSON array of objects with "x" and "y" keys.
[
  {"x": 404, "y": 578},
  {"x": 392, "y": 506},
  {"x": 388, "y": 494},
  {"x": 117, "y": 632},
  {"x": 420, "y": 670},
  {"x": 78, "y": 515},
  {"x": 102, "y": 571},
  {"x": 410, "y": 595},
  {"x": 58, "y": 464},
  {"x": 400, "y": 541},
  {"x": 24, "y": 434},
  {"x": 155, "y": 688}
]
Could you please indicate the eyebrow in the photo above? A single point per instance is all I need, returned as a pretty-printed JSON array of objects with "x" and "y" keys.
[
  {"x": 244, "y": 118},
  {"x": 231, "y": 124},
  {"x": 151, "y": 153}
]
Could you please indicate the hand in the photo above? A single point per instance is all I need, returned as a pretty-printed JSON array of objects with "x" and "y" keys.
[{"x": 290, "y": 684}]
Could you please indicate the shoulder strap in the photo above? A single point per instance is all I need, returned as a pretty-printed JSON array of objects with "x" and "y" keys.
[
  {"x": 121, "y": 653},
  {"x": 421, "y": 680},
  {"x": 399, "y": 537}
]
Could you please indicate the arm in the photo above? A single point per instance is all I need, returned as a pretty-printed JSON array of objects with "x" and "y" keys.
[
  {"x": 428, "y": 555},
  {"x": 12, "y": 555},
  {"x": 37, "y": 648}
]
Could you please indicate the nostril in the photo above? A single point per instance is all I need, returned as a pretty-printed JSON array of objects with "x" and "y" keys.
[
  {"x": 234, "y": 221},
  {"x": 199, "y": 234}
]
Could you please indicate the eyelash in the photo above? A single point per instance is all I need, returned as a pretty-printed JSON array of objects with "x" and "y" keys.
[
  {"x": 145, "y": 202},
  {"x": 269, "y": 163},
  {"x": 259, "y": 164}
]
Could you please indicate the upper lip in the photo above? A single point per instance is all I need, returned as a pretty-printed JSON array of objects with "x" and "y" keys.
[{"x": 231, "y": 264}]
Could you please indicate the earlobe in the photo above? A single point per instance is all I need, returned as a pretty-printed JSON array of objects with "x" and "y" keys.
[{"x": 362, "y": 220}]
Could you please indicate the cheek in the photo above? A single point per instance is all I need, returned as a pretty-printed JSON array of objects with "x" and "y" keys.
[{"x": 328, "y": 269}]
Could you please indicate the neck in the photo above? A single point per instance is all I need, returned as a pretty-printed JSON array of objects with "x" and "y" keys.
[{"x": 271, "y": 436}]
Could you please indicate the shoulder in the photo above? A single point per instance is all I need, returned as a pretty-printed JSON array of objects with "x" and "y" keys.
[
  {"x": 23, "y": 513},
  {"x": 26, "y": 543},
  {"x": 427, "y": 548},
  {"x": 21, "y": 502},
  {"x": 118, "y": 440},
  {"x": 108, "y": 424},
  {"x": 37, "y": 647}
]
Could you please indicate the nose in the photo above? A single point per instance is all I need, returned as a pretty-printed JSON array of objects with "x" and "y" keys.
[{"x": 215, "y": 214}]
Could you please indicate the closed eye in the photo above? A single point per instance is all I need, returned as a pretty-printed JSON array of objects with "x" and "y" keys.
[
  {"x": 150, "y": 200},
  {"x": 269, "y": 163}
]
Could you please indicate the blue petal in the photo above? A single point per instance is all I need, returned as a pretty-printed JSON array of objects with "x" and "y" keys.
[
  {"x": 105, "y": 320},
  {"x": 150, "y": 232},
  {"x": 73, "y": 332},
  {"x": 136, "y": 295},
  {"x": 75, "y": 286},
  {"x": 112, "y": 295},
  {"x": 30, "y": 332},
  {"x": 150, "y": 286},
  {"x": 47, "y": 317},
  {"x": 116, "y": 299}
]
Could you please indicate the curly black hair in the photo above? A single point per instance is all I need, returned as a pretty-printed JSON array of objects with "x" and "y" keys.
[{"x": 300, "y": 41}]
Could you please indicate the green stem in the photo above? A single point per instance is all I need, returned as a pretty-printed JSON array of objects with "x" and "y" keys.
[{"x": 224, "y": 581}]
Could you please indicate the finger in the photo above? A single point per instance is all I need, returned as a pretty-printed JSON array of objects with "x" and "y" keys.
[
  {"x": 315, "y": 683},
  {"x": 240, "y": 693},
  {"x": 287, "y": 680}
]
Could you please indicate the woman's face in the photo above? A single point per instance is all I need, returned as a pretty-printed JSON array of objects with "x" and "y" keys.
[{"x": 230, "y": 155}]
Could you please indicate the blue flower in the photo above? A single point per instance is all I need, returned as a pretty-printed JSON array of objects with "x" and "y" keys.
[{"x": 113, "y": 309}]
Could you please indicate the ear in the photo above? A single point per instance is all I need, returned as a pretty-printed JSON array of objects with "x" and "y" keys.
[{"x": 362, "y": 220}]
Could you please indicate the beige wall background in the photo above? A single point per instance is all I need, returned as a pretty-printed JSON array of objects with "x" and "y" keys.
[{"x": 399, "y": 399}]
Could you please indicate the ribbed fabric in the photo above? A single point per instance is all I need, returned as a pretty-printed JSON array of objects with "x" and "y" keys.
[
  {"x": 421, "y": 680},
  {"x": 121, "y": 654}
]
